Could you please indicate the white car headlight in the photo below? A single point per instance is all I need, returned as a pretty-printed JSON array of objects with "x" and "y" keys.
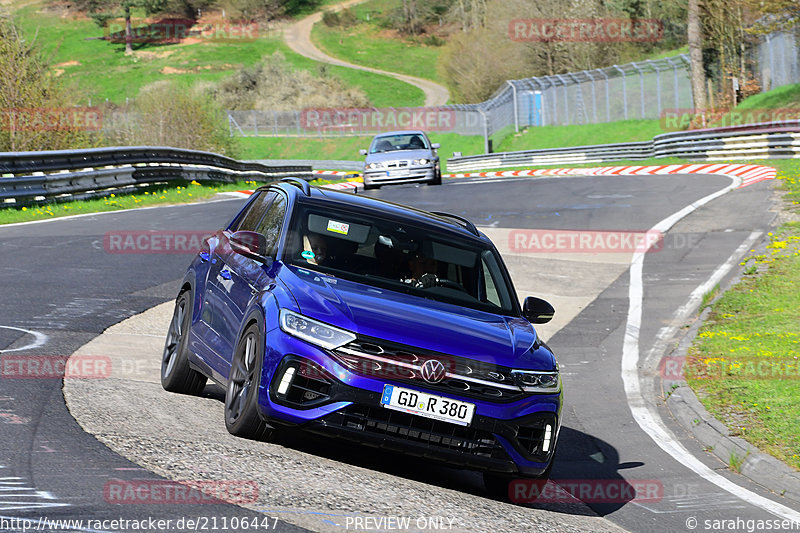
[
  {"x": 374, "y": 165},
  {"x": 422, "y": 161},
  {"x": 314, "y": 331},
  {"x": 537, "y": 381}
]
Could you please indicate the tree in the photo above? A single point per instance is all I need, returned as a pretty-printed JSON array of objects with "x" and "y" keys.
[
  {"x": 31, "y": 98},
  {"x": 695, "y": 37}
]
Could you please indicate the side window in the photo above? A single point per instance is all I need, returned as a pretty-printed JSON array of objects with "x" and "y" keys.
[
  {"x": 491, "y": 289},
  {"x": 270, "y": 225},
  {"x": 249, "y": 219}
]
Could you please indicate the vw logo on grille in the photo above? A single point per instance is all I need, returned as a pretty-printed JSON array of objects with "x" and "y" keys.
[{"x": 433, "y": 371}]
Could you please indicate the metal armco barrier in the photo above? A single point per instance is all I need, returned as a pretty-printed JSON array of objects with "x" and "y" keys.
[
  {"x": 31, "y": 177},
  {"x": 770, "y": 140}
]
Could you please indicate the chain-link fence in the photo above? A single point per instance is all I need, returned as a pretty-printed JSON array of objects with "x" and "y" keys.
[
  {"x": 779, "y": 60},
  {"x": 632, "y": 91}
]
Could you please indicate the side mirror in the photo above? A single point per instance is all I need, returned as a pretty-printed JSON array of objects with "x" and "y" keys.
[
  {"x": 362, "y": 152},
  {"x": 537, "y": 311},
  {"x": 436, "y": 146},
  {"x": 250, "y": 244}
]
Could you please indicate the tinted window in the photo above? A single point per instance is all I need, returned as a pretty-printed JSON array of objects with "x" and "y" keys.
[
  {"x": 271, "y": 223},
  {"x": 255, "y": 210},
  {"x": 406, "y": 141}
]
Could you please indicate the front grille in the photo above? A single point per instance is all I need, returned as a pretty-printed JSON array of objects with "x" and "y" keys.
[
  {"x": 464, "y": 377},
  {"x": 403, "y": 426},
  {"x": 396, "y": 164}
]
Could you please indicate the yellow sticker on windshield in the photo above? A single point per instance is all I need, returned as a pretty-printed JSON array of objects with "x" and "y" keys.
[{"x": 338, "y": 227}]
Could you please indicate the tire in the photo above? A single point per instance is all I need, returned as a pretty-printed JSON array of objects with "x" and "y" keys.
[
  {"x": 371, "y": 187},
  {"x": 497, "y": 484},
  {"x": 241, "y": 394},
  {"x": 176, "y": 375},
  {"x": 437, "y": 178}
]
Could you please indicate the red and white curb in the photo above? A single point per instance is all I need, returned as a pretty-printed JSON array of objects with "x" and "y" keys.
[{"x": 749, "y": 174}]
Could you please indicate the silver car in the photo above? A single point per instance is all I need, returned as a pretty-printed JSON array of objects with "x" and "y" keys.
[{"x": 401, "y": 157}]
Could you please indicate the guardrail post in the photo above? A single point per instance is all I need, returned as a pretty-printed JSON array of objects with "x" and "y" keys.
[
  {"x": 485, "y": 132},
  {"x": 658, "y": 85},
  {"x": 566, "y": 97},
  {"x": 516, "y": 108},
  {"x": 594, "y": 101},
  {"x": 641, "y": 88},
  {"x": 624, "y": 92},
  {"x": 675, "y": 84},
  {"x": 255, "y": 122},
  {"x": 608, "y": 101}
]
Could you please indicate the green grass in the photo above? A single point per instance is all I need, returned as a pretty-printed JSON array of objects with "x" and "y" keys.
[
  {"x": 103, "y": 71},
  {"x": 367, "y": 44},
  {"x": 787, "y": 96},
  {"x": 580, "y": 135},
  {"x": 344, "y": 148},
  {"x": 756, "y": 323},
  {"x": 175, "y": 193}
]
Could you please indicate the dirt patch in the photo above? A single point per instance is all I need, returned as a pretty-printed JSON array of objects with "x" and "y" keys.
[
  {"x": 154, "y": 55},
  {"x": 173, "y": 70},
  {"x": 72, "y": 63}
]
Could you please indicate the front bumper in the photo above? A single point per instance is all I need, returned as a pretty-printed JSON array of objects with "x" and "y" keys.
[
  {"x": 326, "y": 398},
  {"x": 413, "y": 175}
]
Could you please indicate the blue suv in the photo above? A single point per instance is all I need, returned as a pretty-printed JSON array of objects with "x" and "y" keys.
[{"x": 349, "y": 316}]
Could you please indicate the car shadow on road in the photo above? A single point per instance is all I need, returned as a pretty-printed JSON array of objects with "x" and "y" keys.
[{"x": 585, "y": 479}]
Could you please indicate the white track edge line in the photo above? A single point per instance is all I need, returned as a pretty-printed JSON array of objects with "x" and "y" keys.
[{"x": 650, "y": 421}]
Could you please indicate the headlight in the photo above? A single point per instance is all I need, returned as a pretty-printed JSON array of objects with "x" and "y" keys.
[
  {"x": 374, "y": 165},
  {"x": 422, "y": 161},
  {"x": 537, "y": 381},
  {"x": 313, "y": 331}
]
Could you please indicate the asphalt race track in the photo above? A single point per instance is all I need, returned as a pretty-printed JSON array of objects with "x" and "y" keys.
[{"x": 63, "y": 286}]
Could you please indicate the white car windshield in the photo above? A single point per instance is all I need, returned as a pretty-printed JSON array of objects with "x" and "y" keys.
[{"x": 407, "y": 141}]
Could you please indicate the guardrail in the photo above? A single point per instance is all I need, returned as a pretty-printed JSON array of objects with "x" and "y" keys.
[
  {"x": 31, "y": 177},
  {"x": 752, "y": 141}
]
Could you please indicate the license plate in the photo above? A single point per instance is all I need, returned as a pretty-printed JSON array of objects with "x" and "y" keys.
[
  {"x": 427, "y": 405},
  {"x": 397, "y": 173}
]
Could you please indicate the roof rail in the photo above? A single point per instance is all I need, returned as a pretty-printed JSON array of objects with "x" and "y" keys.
[
  {"x": 466, "y": 223},
  {"x": 301, "y": 183}
]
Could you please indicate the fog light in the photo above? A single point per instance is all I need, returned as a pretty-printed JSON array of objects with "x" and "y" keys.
[
  {"x": 548, "y": 434},
  {"x": 286, "y": 380}
]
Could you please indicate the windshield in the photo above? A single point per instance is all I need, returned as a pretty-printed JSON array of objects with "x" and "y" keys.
[
  {"x": 407, "y": 141},
  {"x": 395, "y": 255}
]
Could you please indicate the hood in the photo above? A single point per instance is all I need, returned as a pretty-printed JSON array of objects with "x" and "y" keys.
[
  {"x": 417, "y": 322},
  {"x": 399, "y": 155}
]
